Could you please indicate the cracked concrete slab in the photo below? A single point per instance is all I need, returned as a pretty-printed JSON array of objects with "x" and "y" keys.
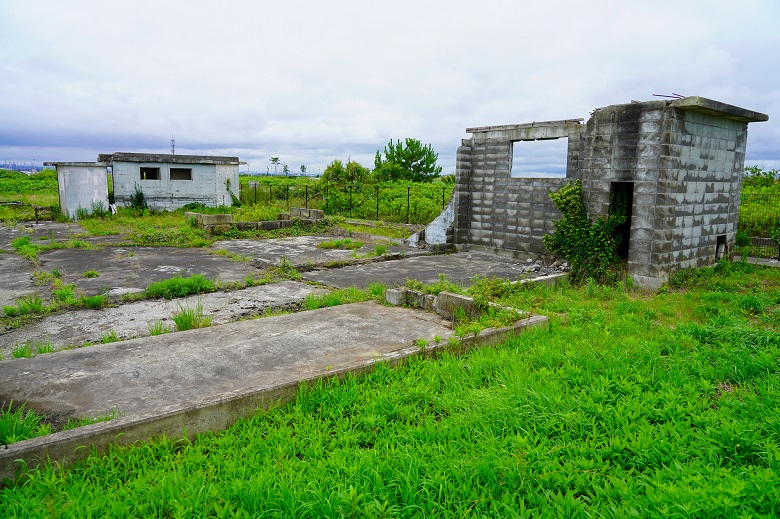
[
  {"x": 459, "y": 268},
  {"x": 75, "y": 327},
  {"x": 304, "y": 251}
]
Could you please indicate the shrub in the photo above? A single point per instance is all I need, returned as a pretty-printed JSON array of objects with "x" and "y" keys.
[{"x": 590, "y": 248}]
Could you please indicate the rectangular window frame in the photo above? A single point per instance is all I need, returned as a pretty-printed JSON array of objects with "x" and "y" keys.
[
  {"x": 150, "y": 173},
  {"x": 181, "y": 173}
]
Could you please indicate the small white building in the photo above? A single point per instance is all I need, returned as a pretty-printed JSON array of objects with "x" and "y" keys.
[{"x": 170, "y": 182}]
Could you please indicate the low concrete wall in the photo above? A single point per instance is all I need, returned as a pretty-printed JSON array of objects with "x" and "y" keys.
[{"x": 66, "y": 447}]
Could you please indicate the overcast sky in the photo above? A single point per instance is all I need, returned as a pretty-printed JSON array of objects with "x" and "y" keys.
[{"x": 310, "y": 81}]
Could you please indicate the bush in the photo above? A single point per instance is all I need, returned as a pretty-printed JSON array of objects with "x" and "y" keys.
[{"x": 590, "y": 248}]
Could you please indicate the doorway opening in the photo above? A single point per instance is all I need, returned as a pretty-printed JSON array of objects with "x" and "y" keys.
[{"x": 621, "y": 202}]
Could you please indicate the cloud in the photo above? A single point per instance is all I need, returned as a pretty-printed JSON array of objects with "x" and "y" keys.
[{"x": 312, "y": 81}]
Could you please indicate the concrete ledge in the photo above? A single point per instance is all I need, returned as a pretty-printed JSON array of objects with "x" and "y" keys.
[{"x": 219, "y": 411}]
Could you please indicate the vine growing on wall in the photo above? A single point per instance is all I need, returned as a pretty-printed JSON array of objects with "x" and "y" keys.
[{"x": 589, "y": 247}]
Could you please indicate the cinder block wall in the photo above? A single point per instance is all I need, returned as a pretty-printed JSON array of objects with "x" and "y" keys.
[
  {"x": 685, "y": 159},
  {"x": 686, "y": 167},
  {"x": 498, "y": 213}
]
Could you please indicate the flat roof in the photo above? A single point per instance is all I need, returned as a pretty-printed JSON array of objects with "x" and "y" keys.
[
  {"x": 81, "y": 164},
  {"x": 718, "y": 109},
  {"x": 110, "y": 158}
]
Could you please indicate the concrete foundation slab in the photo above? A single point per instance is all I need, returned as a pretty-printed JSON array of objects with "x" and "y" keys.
[
  {"x": 459, "y": 268},
  {"x": 132, "y": 320}
]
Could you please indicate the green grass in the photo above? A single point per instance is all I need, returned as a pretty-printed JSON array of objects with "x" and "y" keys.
[
  {"x": 628, "y": 404},
  {"x": 180, "y": 287},
  {"x": 345, "y": 243},
  {"x": 91, "y": 274},
  {"x": 189, "y": 318},
  {"x": 18, "y": 424}
]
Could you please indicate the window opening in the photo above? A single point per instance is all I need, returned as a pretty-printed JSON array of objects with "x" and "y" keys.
[
  {"x": 622, "y": 201},
  {"x": 181, "y": 173},
  {"x": 150, "y": 173},
  {"x": 542, "y": 158}
]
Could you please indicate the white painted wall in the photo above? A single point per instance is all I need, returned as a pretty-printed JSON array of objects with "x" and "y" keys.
[
  {"x": 80, "y": 186},
  {"x": 206, "y": 187}
]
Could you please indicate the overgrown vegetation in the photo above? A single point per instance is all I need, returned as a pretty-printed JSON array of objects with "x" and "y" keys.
[
  {"x": 626, "y": 405},
  {"x": 189, "y": 318},
  {"x": 589, "y": 247},
  {"x": 179, "y": 286}
]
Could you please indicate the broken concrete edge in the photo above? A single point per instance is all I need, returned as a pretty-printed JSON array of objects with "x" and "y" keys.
[
  {"x": 446, "y": 303},
  {"x": 345, "y": 262},
  {"x": 67, "y": 447},
  {"x": 222, "y": 223}
]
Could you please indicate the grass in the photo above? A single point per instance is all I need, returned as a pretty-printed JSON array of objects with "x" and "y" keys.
[
  {"x": 189, "y": 318},
  {"x": 628, "y": 404},
  {"x": 180, "y": 287},
  {"x": 345, "y": 243},
  {"x": 158, "y": 328},
  {"x": 18, "y": 424},
  {"x": 91, "y": 274}
]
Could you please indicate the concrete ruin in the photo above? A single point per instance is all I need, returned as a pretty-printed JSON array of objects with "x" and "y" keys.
[
  {"x": 168, "y": 182},
  {"x": 679, "y": 162}
]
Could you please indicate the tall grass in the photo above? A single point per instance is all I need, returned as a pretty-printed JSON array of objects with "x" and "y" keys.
[{"x": 626, "y": 405}]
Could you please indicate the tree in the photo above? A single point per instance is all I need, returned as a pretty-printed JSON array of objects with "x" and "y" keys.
[
  {"x": 410, "y": 160},
  {"x": 303, "y": 170},
  {"x": 286, "y": 170},
  {"x": 275, "y": 162},
  {"x": 337, "y": 173}
]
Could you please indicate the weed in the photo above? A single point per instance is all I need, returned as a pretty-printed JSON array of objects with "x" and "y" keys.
[
  {"x": 336, "y": 298},
  {"x": 32, "y": 304},
  {"x": 18, "y": 424},
  {"x": 380, "y": 250},
  {"x": 95, "y": 302},
  {"x": 109, "y": 337},
  {"x": 180, "y": 287},
  {"x": 345, "y": 243},
  {"x": 443, "y": 285},
  {"x": 91, "y": 274},
  {"x": 421, "y": 344},
  {"x": 81, "y": 422},
  {"x": 65, "y": 295},
  {"x": 231, "y": 255},
  {"x": 284, "y": 270},
  {"x": 22, "y": 351},
  {"x": 158, "y": 328},
  {"x": 187, "y": 318}
]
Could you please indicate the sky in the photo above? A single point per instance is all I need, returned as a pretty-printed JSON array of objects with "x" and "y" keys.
[{"x": 310, "y": 82}]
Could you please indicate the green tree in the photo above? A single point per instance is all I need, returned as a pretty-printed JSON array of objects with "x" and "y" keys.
[
  {"x": 286, "y": 170},
  {"x": 337, "y": 173},
  {"x": 303, "y": 170},
  {"x": 275, "y": 162},
  {"x": 410, "y": 160}
]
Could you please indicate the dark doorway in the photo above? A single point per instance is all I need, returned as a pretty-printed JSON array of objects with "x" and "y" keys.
[{"x": 621, "y": 201}]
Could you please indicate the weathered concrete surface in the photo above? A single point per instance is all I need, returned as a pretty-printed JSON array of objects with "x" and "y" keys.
[
  {"x": 459, "y": 268},
  {"x": 132, "y": 320},
  {"x": 302, "y": 251},
  {"x": 136, "y": 267},
  {"x": 203, "y": 380}
]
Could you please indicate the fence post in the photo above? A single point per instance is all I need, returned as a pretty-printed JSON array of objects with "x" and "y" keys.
[
  {"x": 408, "y": 198},
  {"x": 377, "y": 202},
  {"x": 307, "y": 196},
  {"x": 443, "y": 190},
  {"x": 255, "y": 193},
  {"x": 350, "y": 200},
  {"x": 326, "y": 199},
  {"x": 288, "y": 197},
  {"x": 270, "y": 194}
]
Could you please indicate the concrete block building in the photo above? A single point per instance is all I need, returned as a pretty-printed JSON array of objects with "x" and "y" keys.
[
  {"x": 679, "y": 163},
  {"x": 169, "y": 182}
]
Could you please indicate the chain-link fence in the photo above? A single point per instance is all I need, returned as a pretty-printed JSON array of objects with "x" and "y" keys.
[{"x": 759, "y": 225}]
